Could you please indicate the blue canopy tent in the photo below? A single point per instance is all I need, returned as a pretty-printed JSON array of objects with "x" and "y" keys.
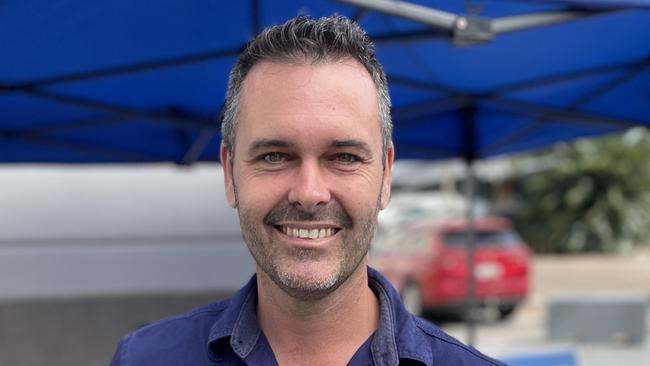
[
  {"x": 118, "y": 81},
  {"x": 122, "y": 81}
]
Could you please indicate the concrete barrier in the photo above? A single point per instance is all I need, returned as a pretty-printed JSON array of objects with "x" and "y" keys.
[{"x": 612, "y": 316}]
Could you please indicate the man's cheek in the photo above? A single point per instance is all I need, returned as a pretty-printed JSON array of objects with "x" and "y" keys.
[{"x": 258, "y": 202}]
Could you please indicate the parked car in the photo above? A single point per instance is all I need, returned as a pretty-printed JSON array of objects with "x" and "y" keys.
[{"x": 427, "y": 263}]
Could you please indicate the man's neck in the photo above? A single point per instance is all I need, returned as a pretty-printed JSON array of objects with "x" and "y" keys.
[{"x": 327, "y": 331}]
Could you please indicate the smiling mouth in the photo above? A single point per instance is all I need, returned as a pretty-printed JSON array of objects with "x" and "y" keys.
[{"x": 312, "y": 234}]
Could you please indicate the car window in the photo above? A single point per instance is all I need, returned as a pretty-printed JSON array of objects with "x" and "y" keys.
[{"x": 496, "y": 237}]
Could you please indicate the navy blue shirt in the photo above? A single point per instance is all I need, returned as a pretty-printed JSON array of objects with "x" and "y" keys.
[{"x": 227, "y": 333}]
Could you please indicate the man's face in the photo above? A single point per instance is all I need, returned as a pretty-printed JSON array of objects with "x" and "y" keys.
[{"x": 307, "y": 174}]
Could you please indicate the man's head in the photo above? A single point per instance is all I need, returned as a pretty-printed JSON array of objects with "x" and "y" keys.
[
  {"x": 307, "y": 41},
  {"x": 307, "y": 152}
]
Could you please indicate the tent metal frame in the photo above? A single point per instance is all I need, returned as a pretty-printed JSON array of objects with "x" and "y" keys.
[{"x": 470, "y": 29}]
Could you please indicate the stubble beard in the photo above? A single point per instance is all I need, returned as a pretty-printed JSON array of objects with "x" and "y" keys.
[{"x": 353, "y": 247}]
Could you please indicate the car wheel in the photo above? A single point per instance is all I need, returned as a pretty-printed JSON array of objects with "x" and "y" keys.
[
  {"x": 505, "y": 311},
  {"x": 412, "y": 298}
]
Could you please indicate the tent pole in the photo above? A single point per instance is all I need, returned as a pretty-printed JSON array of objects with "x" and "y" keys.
[
  {"x": 468, "y": 115},
  {"x": 471, "y": 310},
  {"x": 423, "y": 14}
]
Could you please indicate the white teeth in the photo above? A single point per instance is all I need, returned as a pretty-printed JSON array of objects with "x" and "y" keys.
[{"x": 308, "y": 233}]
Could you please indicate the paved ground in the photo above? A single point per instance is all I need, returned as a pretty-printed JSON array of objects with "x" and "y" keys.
[
  {"x": 81, "y": 331},
  {"x": 526, "y": 330}
]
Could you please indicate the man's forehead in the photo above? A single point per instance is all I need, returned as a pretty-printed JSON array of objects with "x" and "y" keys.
[{"x": 323, "y": 102}]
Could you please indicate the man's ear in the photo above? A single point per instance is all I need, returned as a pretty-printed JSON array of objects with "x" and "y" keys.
[
  {"x": 229, "y": 184},
  {"x": 388, "y": 169}
]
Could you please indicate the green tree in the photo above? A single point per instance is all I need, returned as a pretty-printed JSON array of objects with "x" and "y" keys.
[{"x": 595, "y": 196}]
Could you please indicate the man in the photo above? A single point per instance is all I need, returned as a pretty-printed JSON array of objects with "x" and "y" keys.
[{"x": 307, "y": 158}]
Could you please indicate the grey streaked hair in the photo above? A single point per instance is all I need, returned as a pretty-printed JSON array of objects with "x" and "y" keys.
[{"x": 306, "y": 40}]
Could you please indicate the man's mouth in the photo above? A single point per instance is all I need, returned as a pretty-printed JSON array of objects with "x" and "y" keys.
[{"x": 313, "y": 234}]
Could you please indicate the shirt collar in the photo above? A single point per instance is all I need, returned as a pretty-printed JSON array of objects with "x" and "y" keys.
[
  {"x": 238, "y": 328},
  {"x": 397, "y": 336}
]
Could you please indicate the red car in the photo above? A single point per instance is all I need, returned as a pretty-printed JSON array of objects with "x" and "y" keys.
[{"x": 427, "y": 263}]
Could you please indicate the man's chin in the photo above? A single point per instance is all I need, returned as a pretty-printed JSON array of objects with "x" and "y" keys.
[{"x": 307, "y": 285}]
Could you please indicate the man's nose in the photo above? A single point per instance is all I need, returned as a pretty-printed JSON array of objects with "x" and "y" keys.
[{"x": 309, "y": 189}]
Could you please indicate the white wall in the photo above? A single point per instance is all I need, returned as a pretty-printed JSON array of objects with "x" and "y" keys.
[{"x": 84, "y": 231}]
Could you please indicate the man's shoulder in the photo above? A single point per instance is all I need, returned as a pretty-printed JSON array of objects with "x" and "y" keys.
[
  {"x": 198, "y": 319},
  {"x": 158, "y": 343},
  {"x": 447, "y": 350},
  {"x": 417, "y": 338}
]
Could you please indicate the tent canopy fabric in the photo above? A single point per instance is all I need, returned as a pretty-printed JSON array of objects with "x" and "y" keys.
[{"x": 122, "y": 81}]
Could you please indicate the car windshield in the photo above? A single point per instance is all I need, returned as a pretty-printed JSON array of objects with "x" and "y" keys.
[{"x": 483, "y": 238}]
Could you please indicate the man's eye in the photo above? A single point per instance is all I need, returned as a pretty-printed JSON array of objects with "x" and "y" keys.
[
  {"x": 275, "y": 157},
  {"x": 346, "y": 158}
]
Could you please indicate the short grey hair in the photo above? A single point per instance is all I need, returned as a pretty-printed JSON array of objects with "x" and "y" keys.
[{"x": 306, "y": 40}]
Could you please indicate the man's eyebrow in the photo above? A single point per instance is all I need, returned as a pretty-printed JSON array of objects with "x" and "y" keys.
[
  {"x": 357, "y": 144},
  {"x": 263, "y": 143}
]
